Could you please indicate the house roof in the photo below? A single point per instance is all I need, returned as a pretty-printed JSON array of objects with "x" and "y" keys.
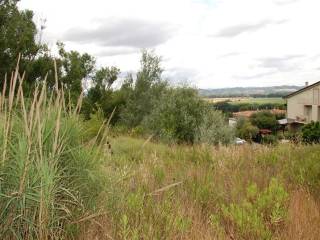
[
  {"x": 301, "y": 90},
  {"x": 287, "y": 121}
]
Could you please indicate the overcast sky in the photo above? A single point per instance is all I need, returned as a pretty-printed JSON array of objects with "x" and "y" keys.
[{"x": 209, "y": 43}]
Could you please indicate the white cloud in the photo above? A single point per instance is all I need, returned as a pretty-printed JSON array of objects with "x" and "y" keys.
[{"x": 213, "y": 43}]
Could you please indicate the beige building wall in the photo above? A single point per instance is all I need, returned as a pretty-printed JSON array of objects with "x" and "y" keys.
[{"x": 304, "y": 106}]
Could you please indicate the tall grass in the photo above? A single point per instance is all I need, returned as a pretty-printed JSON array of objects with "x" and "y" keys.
[
  {"x": 61, "y": 178},
  {"x": 203, "y": 192},
  {"x": 49, "y": 177}
]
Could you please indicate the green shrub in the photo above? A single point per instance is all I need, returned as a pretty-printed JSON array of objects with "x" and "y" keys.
[
  {"x": 311, "y": 132},
  {"x": 213, "y": 129},
  {"x": 176, "y": 116},
  {"x": 293, "y": 136},
  {"x": 264, "y": 120},
  {"x": 260, "y": 214},
  {"x": 304, "y": 168},
  {"x": 245, "y": 130},
  {"x": 181, "y": 116},
  {"x": 270, "y": 139}
]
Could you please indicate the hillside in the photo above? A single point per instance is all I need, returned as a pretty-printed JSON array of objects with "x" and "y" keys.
[{"x": 275, "y": 91}]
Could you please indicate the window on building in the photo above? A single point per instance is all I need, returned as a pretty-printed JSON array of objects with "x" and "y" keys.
[{"x": 308, "y": 112}]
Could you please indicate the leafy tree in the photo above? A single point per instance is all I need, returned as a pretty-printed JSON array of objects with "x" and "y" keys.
[
  {"x": 146, "y": 90},
  {"x": 264, "y": 120},
  {"x": 177, "y": 115},
  {"x": 18, "y": 36},
  {"x": 311, "y": 132},
  {"x": 245, "y": 130},
  {"x": 182, "y": 116},
  {"x": 214, "y": 129},
  {"x": 105, "y": 77},
  {"x": 75, "y": 69},
  {"x": 102, "y": 97}
]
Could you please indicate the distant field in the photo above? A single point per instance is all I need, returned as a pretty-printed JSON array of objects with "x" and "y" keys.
[
  {"x": 260, "y": 101},
  {"x": 240, "y": 100}
]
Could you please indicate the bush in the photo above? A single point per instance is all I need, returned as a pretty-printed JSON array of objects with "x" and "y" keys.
[
  {"x": 293, "y": 136},
  {"x": 176, "y": 116},
  {"x": 260, "y": 213},
  {"x": 270, "y": 139},
  {"x": 213, "y": 129},
  {"x": 181, "y": 116},
  {"x": 264, "y": 120},
  {"x": 245, "y": 130},
  {"x": 311, "y": 132}
]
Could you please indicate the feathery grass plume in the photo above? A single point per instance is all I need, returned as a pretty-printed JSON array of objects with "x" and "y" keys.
[{"x": 49, "y": 177}]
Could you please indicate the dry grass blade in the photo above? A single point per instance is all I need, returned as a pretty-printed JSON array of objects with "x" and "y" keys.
[
  {"x": 56, "y": 76},
  {"x": 87, "y": 218},
  {"x": 79, "y": 104},
  {"x": 107, "y": 128},
  {"x": 147, "y": 141},
  {"x": 3, "y": 96},
  {"x": 166, "y": 188}
]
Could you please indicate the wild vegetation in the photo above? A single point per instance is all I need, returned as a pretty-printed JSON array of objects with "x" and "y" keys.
[
  {"x": 50, "y": 176},
  {"x": 201, "y": 192},
  {"x": 81, "y": 159}
]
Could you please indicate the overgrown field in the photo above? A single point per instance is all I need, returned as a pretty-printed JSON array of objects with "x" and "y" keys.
[
  {"x": 184, "y": 192},
  {"x": 65, "y": 178}
]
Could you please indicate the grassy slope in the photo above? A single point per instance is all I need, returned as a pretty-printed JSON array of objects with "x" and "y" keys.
[{"x": 183, "y": 192}]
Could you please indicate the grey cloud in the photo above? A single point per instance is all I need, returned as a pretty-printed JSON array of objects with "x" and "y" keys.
[
  {"x": 116, "y": 51},
  {"x": 255, "y": 76},
  {"x": 236, "y": 30},
  {"x": 113, "y": 32},
  {"x": 273, "y": 65},
  {"x": 281, "y": 64}
]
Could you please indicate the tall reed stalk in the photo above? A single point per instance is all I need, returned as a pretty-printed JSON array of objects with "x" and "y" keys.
[{"x": 49, "y": 177}]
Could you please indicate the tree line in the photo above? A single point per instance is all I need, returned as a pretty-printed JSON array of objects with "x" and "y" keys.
[{"x": 145, "y": 101}]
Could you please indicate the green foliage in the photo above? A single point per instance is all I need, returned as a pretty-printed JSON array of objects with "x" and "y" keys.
[
  {"x": 102, "y": 97},
  {"x": 304, "y": 168},
  {"x": 311, "y": 132},
  {"x": 145, "y": 92},
  {"x": 270, "y": 139},
  {"x": 214, "y": 129},
  {"x": 245, "y": 130},
  {"x": 177, "y": 115},
  {"x": 264, "y": 120},
  {"x": 18, "y": 36},
  {"x": 49, "y": 179},
  {"x": 75, "y": 68},
  {"x": 259, "y": 213},
  {"x": 294, "y": 136},
  {"x": 181, "y": 116},
  {"x": 105, "y": 77}
]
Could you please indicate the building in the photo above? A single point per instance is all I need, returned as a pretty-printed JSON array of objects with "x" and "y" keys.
[{"x": 303, "y": 106}]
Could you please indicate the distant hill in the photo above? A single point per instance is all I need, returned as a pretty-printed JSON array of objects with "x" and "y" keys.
[{"x": 275, "y": 91}]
